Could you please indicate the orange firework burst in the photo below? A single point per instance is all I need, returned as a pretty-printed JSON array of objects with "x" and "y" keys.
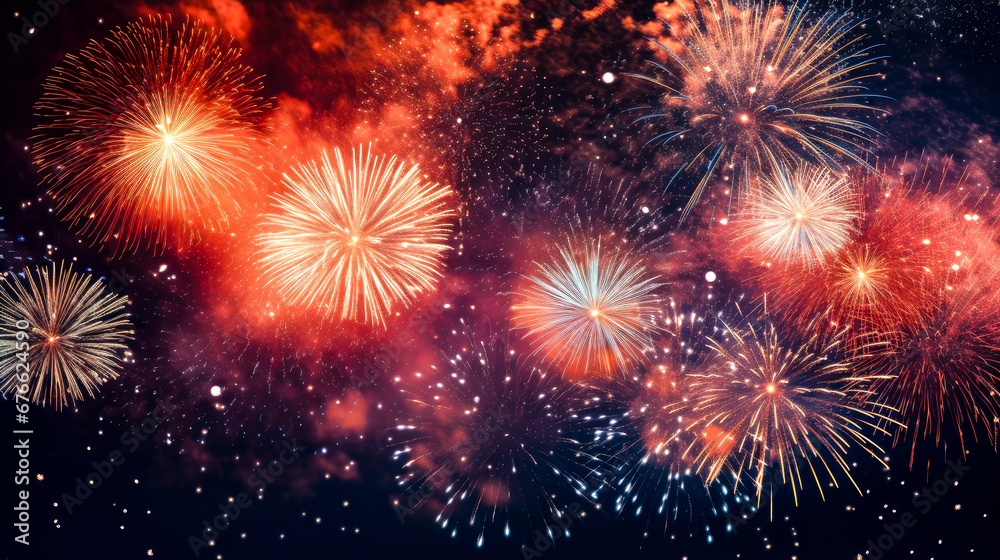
[
  {"x": 149, "y": 132},
  {"x": 801, "y": 217},
  {"x": 588, "y": 313},
  {"x": 772, "y": 399},
  {"x": 757, "y": 86},
  {"x": 355, "y": 242}
]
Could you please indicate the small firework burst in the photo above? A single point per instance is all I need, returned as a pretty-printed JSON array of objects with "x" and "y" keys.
[
  {"x": 588, "y": 312},
  {"x": 76, "y": 334},
  {"x": 775, "y": 400},
  {"x": 752, "y": 86},
  {"x": 149, "y": 131},
  {"x": 356, "y": 243},
  {"x": 803, "y": 217},
  {"x": 488, "y": 440}
]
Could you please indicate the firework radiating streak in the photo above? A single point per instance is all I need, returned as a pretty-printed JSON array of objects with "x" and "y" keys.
[
  {"x": 149, "y": 131},
  {"x": 586, "y": 203},
  {"x": 590, "y": 314},
  {"x": 757, "y": 87},
  {"x": 76, "y": 337},
  {"x": 355, "y": 242}
]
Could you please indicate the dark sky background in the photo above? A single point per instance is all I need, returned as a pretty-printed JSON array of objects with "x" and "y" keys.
[{"x": 543, "y": 109}]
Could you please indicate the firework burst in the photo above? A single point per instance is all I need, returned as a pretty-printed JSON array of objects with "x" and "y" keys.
[
  {"x": 941, "y": 368},
  {"x": 488, "y": 441},
  {"x": 803, "y": 217},
  {"x": 755, "y": 86},
  {"x": 588, "y": 313},
  {"x": 900, "y": 254},
  {"x": 75, "y": 338},
  {"x": 149, "y": 132},
  {"x": 793, "y": 403},
  {"x": 356, "y": 243}
]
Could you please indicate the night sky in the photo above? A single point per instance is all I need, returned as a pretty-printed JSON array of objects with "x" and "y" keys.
[{"x": 524, "y": 109}]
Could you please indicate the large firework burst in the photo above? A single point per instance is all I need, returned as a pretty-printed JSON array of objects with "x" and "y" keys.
[
  {"x": 487, "y": 440},
  {"x": 802, "y": 217},
  {"x": 588, "y": 312},
  {"x": 75, "y": 338},
  {"x": 783, "y": 401},
  {"x": 149, "y": 132},
  {"x": 355, "y": 243},
  {"x": 750, "y": 86}
]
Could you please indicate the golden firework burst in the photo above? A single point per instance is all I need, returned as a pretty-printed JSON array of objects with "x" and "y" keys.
[
  {"x": 356, "y": 242},
  {"x": 75, "y": 336}
]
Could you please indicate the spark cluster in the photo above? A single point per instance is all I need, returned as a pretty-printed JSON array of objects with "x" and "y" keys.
[
  {"x": 652, "y": 437},
  {"x": 488, "y": 440}
]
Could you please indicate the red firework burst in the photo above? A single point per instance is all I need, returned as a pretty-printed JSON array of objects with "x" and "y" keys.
[
  {"x": 149, "y": 132},
  {"x": 940, "y": 369}
]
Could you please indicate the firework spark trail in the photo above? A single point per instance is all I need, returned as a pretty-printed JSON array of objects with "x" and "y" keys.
[
  {"x": 586, "y": 203},
  {"x": 149, "y": 131},
  {"x": 356, "y": 242},
  {"x": 778, "y": 400},
  {"x": 755, "y": 87},
  {"x": 487, "y": 440},
  {"x": 588, "y": 313},
  {"x": 76, "y": 338},
  {"x": 803, "y": 217}
]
